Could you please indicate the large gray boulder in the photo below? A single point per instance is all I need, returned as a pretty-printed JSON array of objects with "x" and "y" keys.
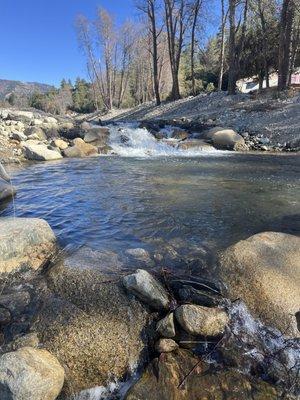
[
  {"x": 40, "y": 152},
  {"x": 18, "y": 115},
  {"x": 199, "y": 320},
  {"x": 224, "y": 138},
  {"x": 264, "y": 271},
  {"x": 96, "y": 135},
  {"x": 30, "y": 374},
  {"x": 25, "y": 244},
  {"x": 90, "y": 323},
  {"x": 147, "y": 289},
  {"x": 6, "y": 191}
]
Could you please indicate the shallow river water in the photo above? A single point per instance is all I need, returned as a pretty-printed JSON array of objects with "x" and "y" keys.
[{"x": 118, "y": 203}]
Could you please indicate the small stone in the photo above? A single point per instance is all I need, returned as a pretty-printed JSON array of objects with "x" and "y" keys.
[
  {"x": 18, "y": 136},
  {"x": 166, "y": 346},
  {"x": 165, "y": 327},
  {"x": 29, "y": 340},
  {"x": 199, "y": 320},
  {"x": 147, "y": 289}
]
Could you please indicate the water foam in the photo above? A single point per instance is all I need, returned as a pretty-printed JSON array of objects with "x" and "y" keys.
[{"x": 127, "y": 140}]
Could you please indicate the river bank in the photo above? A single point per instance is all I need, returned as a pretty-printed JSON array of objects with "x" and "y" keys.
[{"x": 266, "y": 123}]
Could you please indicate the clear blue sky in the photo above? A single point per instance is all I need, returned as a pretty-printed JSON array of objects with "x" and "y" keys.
[{"x": 38, "y": 39}]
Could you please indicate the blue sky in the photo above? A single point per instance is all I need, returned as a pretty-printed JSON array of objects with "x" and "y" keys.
[{"x": 38, "y": 39}]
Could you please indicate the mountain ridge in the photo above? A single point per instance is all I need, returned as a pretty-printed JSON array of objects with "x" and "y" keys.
[{"x": 21, "y": 89}]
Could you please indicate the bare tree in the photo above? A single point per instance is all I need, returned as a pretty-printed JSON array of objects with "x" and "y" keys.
[
  {"x": 224, "y": 16},
  {"x": 149, "y": 7},
  {"x": 232, "y": 47},
  {"x": 107, "y": 43},
  {"x": 285, "y": 40},
  {"x": 177, "y": 18},
  {"x": 236, "y": 45},
  {"x": 195, "y": 10},
  {"x": 86, "y": 44}
]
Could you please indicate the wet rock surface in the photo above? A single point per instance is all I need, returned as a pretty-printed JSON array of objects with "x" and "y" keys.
[
  {"x": 30, "y": 374},
  {"x": 25, "y": 244},
  {"x": 147, "y": 289},
  {"x": 180, "y": 376},
  {"x": 264, "y": 271},
  {"x": 199, "y": 320},
  {"x": 91, "y": 325}
]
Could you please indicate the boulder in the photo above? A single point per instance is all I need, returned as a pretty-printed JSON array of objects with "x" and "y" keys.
[
  {"x": 166, "y": 346},
  {"x": 25, "y": 244},
  {"x": 264, "y": 271},
  {"x": 6, "y": 191},
  {"x": 50, "y": 120},
  {"x": 223, "y": 138},
  {"x": 164, "y": 377},
  {"x": 18, "y": 136},
  {"x": 97, "y": 136},
  {"x": 91, "y": 325},
  {"x": 199, "y": 320},
  {"x": 165, "y": 327},
  {"x": 147, "y": 289},
  {"x": 23, "y": 116},
  {"x": 80, "y": 149},
  {"x": 179, "y": 134},
  {"x": 35, "y": 130},
  {"x": 61, "y": 144},
  {"x": 195, "y": 145},
  {"x": 30, "y": 374},
  {"x": 40, "y": 152}
]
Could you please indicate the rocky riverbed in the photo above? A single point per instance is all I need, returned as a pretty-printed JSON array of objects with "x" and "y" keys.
[{"x": 69, "y": 326}]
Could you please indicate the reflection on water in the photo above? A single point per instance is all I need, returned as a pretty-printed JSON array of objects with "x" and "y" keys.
[{"x": 117, "y": 203}]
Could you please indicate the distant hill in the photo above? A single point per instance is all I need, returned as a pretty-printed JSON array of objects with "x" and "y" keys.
[{"x": 21, "y": 89}]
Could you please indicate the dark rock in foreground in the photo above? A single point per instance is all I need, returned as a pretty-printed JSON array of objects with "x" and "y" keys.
[{"x": 180, "y": 376}]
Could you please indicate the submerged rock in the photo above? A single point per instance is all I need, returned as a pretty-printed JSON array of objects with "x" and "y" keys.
[
  {"x": 204, "y": 321},
  {"x": 147, "y": 289},
  {"x": 89, "y": 322},
  {"x": 30, "y": 374},
  {"x": 6, "y": 191},
  {"x": 25, "y": 244},
  {"x": 264, "y": 271},
  {"x": 40, "y": 152},
  {"x": 165, "y": 327},
  {"x": 174, "y": 376}
]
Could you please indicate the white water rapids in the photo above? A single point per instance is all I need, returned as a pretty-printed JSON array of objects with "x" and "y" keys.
[{"x": 127, "y": 140}]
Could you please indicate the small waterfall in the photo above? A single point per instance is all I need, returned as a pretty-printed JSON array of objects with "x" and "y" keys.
[{"x": 128, "y": 140}]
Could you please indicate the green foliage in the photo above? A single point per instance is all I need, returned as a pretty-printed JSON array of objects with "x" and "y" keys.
[{"x": 82, "y": 97}]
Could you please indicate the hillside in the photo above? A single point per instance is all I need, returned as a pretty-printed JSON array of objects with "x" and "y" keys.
[{"x": 21, "y": 89}]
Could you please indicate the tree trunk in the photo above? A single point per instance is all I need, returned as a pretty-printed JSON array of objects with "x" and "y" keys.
[
  {"x": 232, "y": 49},
  {"x": 264, "y": 42},
  {"x": 152, "y": 19},
  {"x": 222, "y": 54},
  {"x": 285, "y": 39},
  {"x": 196, "y": 10}
]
